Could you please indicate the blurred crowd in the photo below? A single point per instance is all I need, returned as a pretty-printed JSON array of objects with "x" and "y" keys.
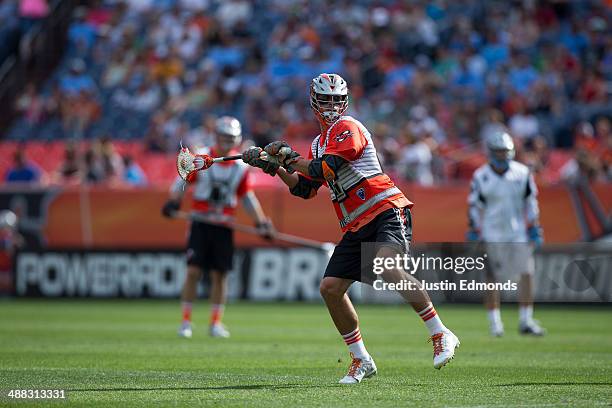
[
  {"x": 17, "y": 17},
  {"x": 97, "y": 163},
  {"x": 429, "y": 78}
]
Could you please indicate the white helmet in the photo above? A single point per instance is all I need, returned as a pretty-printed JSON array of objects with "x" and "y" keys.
[
  {"x": 500, "y": 149},
  {"x": 329, "y": 96},
  {"x": 8, "y": 219},
  {"x": 229, "y": 132}
]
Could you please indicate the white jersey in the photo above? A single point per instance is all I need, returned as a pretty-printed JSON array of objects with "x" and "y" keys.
[
  {"x": 218, "y": 188},
  {"x": 502, "y": 206}
]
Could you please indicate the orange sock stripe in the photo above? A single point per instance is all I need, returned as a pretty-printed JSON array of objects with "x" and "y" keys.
[
  {"x": 216, "y": 313},
  {"x": 353, "y": 340},
  {"x": 187, "y": 312},
  {"x": 429, "y": 315},
  {"x": 352, "y": 337},
  {"x": 426, "y": 310}
]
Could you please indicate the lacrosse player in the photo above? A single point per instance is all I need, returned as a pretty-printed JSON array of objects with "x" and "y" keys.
[
  {"x": 211, "y": 247},
  {"x": 503, "y": 212},
  {"x": 369, "y": 206}
]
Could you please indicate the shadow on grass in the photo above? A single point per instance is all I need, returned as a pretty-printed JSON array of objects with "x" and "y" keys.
[
  {"x": 220, "y": 388},
  {"x": 526, "y": 384}
]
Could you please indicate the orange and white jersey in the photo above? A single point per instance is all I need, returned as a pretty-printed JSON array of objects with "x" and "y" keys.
[
  {"x": 360, "y": 190},
  {"x": 218, "y": 189}
]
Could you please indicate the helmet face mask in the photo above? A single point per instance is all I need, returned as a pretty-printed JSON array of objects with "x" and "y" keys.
[
  {"x": 500, "y": 149},
  {"x": 329, "y": 97},
  {"x": 500, "y": 158},
  {"x": 227, "y": 142},
  {"x": 228, "y": 132}
]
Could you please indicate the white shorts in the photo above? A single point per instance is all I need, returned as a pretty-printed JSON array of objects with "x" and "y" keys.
[{"x": 508, "y": 260}]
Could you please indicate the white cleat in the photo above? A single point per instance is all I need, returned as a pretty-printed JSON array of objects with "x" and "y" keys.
[
  {"x": 219, "y": 330},
  {"x": 185, "y": 330},
  {"x": 359, "y": 370},
  {"x": 531, "y": 328},
  {"x": 496, "y": 329},
  {"x": 444, "y": 345}
]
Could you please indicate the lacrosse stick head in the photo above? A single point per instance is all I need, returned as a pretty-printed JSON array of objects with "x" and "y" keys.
[{"x": 188, "y": 164}]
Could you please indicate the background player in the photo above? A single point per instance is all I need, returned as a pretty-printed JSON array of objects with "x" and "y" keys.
[
  {"x": 211, "y": 247},
  {"x": 503, "y": 212},
  {"x": 370, "y": 209}
]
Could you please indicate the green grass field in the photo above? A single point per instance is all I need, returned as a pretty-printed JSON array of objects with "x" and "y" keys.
[{"x": 126, "y": 353}]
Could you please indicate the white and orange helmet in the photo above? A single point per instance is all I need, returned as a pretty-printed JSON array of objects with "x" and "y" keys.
[{"x": 329, "y": 96}]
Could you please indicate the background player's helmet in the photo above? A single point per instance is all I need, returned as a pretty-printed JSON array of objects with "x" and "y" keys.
[
  {"x": 8, "y": 220},
  {"x": 500, "y": 149},
  {"x": 228, "y": 131},
  {"x": 329, "y": 97}
]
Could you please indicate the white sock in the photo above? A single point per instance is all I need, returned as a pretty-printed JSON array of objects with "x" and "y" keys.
[
  {"x": 432, "y": 320},
  {"x": 494, "y": 317},
  {"x": 355, "y": 344},
  {"x": 525, "y": 313}
]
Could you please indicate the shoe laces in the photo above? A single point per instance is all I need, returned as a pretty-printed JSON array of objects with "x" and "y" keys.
[
  {"x": 438, "y": 343},
  {"x": 355, "y": 365}
]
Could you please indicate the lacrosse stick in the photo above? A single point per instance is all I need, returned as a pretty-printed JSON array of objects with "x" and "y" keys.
[
  {"x": 188, "y": 164},
  {"x": 327, "y": 247}
]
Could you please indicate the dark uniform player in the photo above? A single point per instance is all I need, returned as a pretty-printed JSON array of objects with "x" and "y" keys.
[
  {"x": 370, "y": 208},
  {"x": 210, "y": 247}
]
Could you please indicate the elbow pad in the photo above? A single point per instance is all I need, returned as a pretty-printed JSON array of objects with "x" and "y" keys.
[
  {"x": 305, "y": 188},
  {"x": 325, "y": 167}
]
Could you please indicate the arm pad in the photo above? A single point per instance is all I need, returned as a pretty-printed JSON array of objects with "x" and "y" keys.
[
  {"x": 315, "y": 168},
  {"x": 305, "y": 188}
]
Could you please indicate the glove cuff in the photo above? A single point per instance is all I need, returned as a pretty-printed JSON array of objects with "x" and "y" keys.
[
  {"x": 289, "y": 160},
  {"x": 270, "y": 168}
]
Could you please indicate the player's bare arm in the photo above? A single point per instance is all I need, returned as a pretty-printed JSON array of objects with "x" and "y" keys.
[
  {"x": 253, "y": 208},
  {"x": 290, "y": 179}
]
